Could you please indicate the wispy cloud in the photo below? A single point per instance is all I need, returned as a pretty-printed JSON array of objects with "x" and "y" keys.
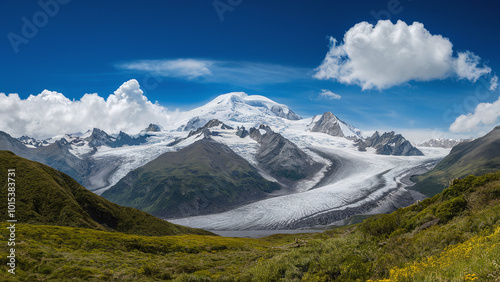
[
  {"x": 387, "y": 54},
  {"x": 327, "y": 94},
  {"x": 179, "y": 68},
  {"x": 217, "y": 71},
  {"x": 494, "y": 83}
]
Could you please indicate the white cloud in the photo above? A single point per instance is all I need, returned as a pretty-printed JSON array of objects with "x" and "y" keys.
[
  {"x": 466, "y": 66},
  {"x": 388, "y": 54},
  {"x": 327, "y": 94},
  {"x": 216, "y": 71},
  {"x": 180, "y": 68},
  {"x": 494, "y": 83},
  {"x": 485, "y": 115},
  {"x": 50, "y": 113}
]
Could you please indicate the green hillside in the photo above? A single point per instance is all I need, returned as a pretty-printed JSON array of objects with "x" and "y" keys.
[
  {"x": 204, "y": 177},
  {"x": 47, "y": 196},
  {"x": 453, "y": 236},
  {"x": 476, "y": 157}
]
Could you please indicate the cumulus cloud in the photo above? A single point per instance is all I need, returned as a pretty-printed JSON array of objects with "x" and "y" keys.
[
  {"x": 494, "y": 83},
  {"x": 50, "y": 113},
  {"x": 327, "y": 94},
  {"x": 485, "y": 114},
  {"x": 217, "y": 71},
  {"x": 387, "y": 54}
]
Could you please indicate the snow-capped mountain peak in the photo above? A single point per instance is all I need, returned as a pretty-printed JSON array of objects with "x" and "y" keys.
[{"x": 236, "y": 107}]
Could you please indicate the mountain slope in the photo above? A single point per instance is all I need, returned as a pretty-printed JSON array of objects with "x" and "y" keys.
[
  {"x": 476, "y": 157},
  {"x": 204, "y": 177},
  {"x": 281, "y": 158},
  {"x": 55, "y": 155},
  {"x": 47, "y": 196}
]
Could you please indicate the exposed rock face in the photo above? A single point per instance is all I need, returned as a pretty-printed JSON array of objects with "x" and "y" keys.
[
  {"x": 124, "y": 139},
  {"x": 389, "y": 143},
  {"x": 281, "y": 158},
  {"x": 242, "y": 132},
  {"x": 329, "y": 124},
  {"x": 99, "y": 138},
  {"x": 211, "y": 124},
  {"x": 153, "y": 128}
]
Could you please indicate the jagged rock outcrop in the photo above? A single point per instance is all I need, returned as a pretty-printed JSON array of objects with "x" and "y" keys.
[
  {"x": 206, "y": 128},
  {"x": 389, "y": 143},
  {"x": 124, "y": 139},
  {"x": 99, "y": 138},
  {"x": 242, "y": 132}
]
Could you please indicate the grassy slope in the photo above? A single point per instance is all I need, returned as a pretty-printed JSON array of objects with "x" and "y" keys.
[
  {"x": 475, "y": 157},
  {"x": 203, "y": 177},
  {"x": 461, "y": 244},
  {"x": 46, "y": 196}
]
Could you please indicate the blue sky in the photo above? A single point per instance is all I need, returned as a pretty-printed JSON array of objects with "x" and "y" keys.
[{"x": 185, "y": 53}]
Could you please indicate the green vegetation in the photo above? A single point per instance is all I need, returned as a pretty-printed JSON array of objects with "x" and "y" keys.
[
  {"x": 476, "y": 157},
  {"x": 47, "y": 196},
  {"x": 201, "y": 178},
  {"x": 452, "y": 236}
]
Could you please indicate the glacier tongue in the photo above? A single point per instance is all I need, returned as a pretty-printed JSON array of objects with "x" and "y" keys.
[{"x": 360, "y": 182}]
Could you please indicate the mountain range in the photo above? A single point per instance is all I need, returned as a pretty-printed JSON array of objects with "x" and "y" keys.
[{"x": 254, "y": 154}]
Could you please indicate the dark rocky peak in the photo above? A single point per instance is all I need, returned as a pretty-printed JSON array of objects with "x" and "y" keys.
[
  {"x": 258, "y": 133},
  {"x": 99, "y": 138},
  {"x": 242, "y": 132},
  {"x": 389, "y": 143},
  {"x": 206, "y": 128},
  {"x": 124, "y": 139},
  {"x": 152, "y": 128},
  {"x": 329, "y": 124}
]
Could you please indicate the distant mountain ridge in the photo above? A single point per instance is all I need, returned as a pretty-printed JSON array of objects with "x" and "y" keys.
[
  {"x": 443, "y": 142},
  {"x": 476, "y": 157}
]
